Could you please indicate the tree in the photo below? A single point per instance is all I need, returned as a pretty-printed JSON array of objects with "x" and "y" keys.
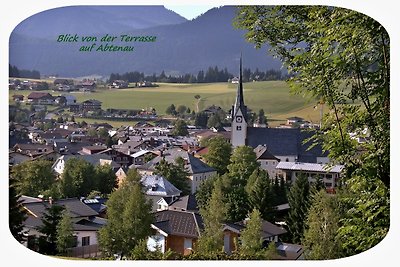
[
  {"x": 299, "y": 204},
  {"x": 105, "y": 177},
  {"x": 201, "y": 119},
  {"x": 171, "y": 110},
  {"x": 260, "y": 194},
  {"x": 203, "y": 193},
  {"x": 180, "y": 128},
  {"x": 16, "y": 212},
  {"x": 243, "y": 163},
  {"x": 251, "y": 235},
  {"x": 214, "y": 214},
  {"x": 33, "y": 177},
  {"x": 65, "y": 233},
  {"x": 198, "y": 99},
  {"x": 219, "y": 152},
  {"x": 261, "y": 119},
  {"x": 181, "y": 109},
  {"x": 50, "y": 220},
  {"x": 77, "y": 179},
  {"x": 321, "y": 241},
  {"x": 128, "y": 219},
  {"x": 342, "y": 58},
  {"x": 214, "y": 121},
  {"x": 176, "y": 174}
]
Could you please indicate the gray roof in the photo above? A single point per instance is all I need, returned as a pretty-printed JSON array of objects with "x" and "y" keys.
[
  {"x": 285, "y": 142},
  {"x": 193, "y": 166},
  {"x": 179, "y": 223},
  {"x": 263, "y": 153},
  {"x": 159, "y": 186},
  {"x": 185, "y": 203},
  {"x": 267, "y": 229},
  {"x": 311, "y": 167}
]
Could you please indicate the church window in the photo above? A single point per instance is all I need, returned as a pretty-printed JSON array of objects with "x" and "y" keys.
[{"x": 239, "y": 128}]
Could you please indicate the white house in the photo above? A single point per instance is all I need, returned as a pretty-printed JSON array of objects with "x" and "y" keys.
[{"x": 330, "y": 175}]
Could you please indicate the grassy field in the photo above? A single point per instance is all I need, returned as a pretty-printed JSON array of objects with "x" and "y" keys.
[{"x": 272, "y": 96}]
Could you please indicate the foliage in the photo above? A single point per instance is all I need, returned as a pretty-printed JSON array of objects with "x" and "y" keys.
[
  {"x": 260, "y": 194},
  {"x": 105, "y": 177},
  {"x": 203, "y": 193},
  {"x": 16, "y": 212},
  {"x": 320, "y": 240},
  {"x": 77, "y": 179},
  {"x": 128, "y": 220},
  {"x": 213, "y": 214},
  {"x": 366, "y": 221},
  {"x": 243, "y": 163},
  {"x": 33, "y": 177},
  {"x": 176, "y": 174},
  {"x": 251, "y": 235},
  {"x": 50, "y": 220},
  {"x": 180, "y": 128},
  {"x": 65, "y": 233},
  {"x": 171, "y": 110},
  {"x": 341, "y": 59},
  {"x": 201, "y": 119},
  {"x": 219, "y": 152},
  {"x": 299, "y": 203}
]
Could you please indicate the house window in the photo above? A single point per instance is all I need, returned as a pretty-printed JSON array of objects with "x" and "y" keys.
[
  {"x": 239, "y": 128},
  {"x": 85, "y": 241},
  {"x": 328, "y": 184},
  {"x": 328, "y": 176}
]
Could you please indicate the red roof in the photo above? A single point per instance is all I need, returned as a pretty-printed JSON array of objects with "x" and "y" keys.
[{"x": 38, "y": 95}]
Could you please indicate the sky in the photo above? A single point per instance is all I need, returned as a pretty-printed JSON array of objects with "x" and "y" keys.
[{"x": 190, "y": 11}]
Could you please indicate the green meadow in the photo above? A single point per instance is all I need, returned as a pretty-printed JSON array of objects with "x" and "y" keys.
[{"x": 272, "y": 96}]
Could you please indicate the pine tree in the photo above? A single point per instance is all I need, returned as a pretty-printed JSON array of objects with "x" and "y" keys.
[
  {"x": 50, "y": 220},
  {"x": 214, "y": 214},
  {"x": 65, "y": 233},
  {"x": 299, "y": 203},
  {"x": 16, "y": 215},
  {"x": 260, "y": 194},
  {"x": 251, "y": 235},
  {"x": 321, "y": 241}
]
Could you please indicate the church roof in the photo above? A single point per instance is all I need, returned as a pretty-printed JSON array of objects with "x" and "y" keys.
[
  {"x": 285, "y": 142},
  {"x": 239, "y": 102}
]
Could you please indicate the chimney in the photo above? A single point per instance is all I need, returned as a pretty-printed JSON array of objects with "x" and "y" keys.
[{"x": 50, "y": 200}]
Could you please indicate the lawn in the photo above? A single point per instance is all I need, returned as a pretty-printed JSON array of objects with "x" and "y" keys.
[{"x": 272, "y": 96}]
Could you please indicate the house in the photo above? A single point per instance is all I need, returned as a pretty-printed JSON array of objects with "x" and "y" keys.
[
  {"x": 175, "y": 230},
  {"x": 269, "y": 232},
  {"x": 120, "y": 159},
  {"x": 140, "y": 157},
  {"x": 198, "y": 171},
  {"x": 159, "y": 186},
  {"x": 294, "y": 120},
  {"x": 118, "y": 84},
  {"x": 90, "y": 150},
  {"x": 95, "y": 160},
  {"x": 329, "y": 174},
  {"x": 90, "y": 104},
  {"x": 66, "y": 100},
  {"x": 85, "y": 223},
  {"x": 32, "y": 150},
  {"x": 91, "y": 85},
  {"x": 40, "y": 98},
  {"x": 235, "y": 80},
  {"x": 267, "y": 161},
  {"x": 18, "y": 98},
  {"x": 185, "y": 203}
]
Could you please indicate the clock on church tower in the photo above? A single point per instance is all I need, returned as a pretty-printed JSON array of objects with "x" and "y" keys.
[{"x": 239, "y": 119}]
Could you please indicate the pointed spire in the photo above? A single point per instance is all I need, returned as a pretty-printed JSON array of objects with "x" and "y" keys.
[{"x": 239, "y": 102}]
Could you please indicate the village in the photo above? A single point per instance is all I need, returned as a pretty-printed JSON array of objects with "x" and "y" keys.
[{"x": 142, "y": 146}]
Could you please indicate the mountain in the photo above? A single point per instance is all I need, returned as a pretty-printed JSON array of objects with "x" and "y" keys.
[
  {"x": 188, "y": 46},
  {"x": 95, "y": 20}
]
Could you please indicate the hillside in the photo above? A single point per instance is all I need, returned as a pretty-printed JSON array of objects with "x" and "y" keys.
[{"x": 189, "y": 46}]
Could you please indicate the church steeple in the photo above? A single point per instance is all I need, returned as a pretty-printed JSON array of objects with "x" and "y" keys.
[
  {"x": 239, "y": 115},
  {"x": 239, "y": 102}
]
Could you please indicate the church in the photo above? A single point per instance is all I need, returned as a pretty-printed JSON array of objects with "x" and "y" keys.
[
  {"x": 283, "y": 152},
  {"x": 287, "y": 144}
]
